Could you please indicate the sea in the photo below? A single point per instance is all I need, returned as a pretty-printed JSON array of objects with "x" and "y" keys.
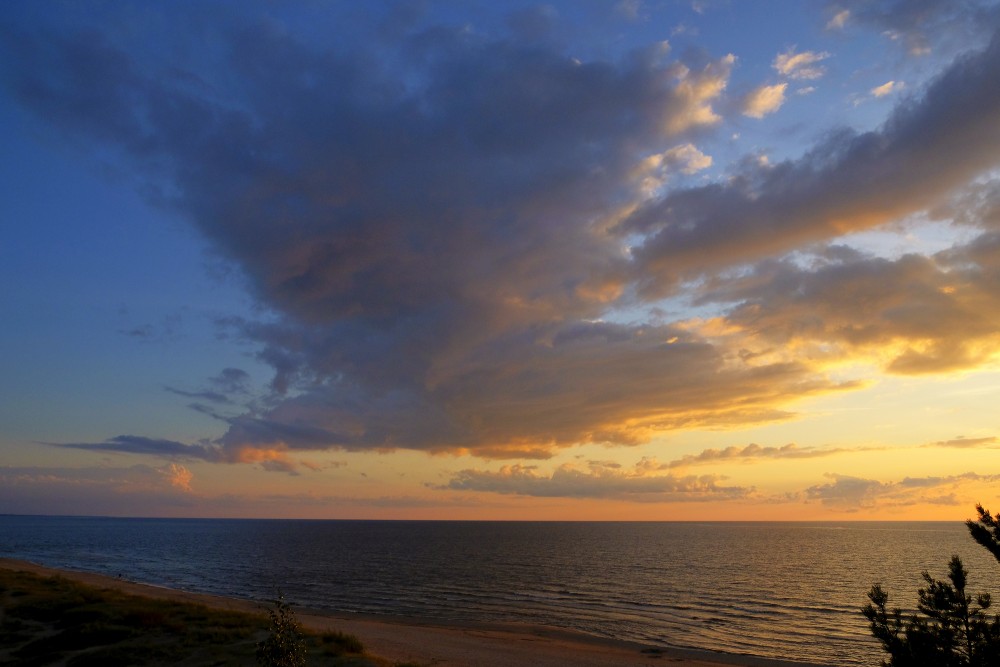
[{"x": 790, "y": 591}]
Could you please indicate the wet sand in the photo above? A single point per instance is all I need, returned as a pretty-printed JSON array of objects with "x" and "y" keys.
[{"x": 439, "y": 645}]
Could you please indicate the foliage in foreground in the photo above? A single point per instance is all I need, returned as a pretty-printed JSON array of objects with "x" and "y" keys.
[
  {"x": 953, "y": 629},
  {"x": 285, "y": 645},
  {"x": 53, "y": 620},
  {"x": 986, "y": 531}
]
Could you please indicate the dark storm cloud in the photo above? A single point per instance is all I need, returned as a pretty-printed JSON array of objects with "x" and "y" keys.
[
  {"x": 432, "y": 237},
  {"x": 432, "y": 220}
]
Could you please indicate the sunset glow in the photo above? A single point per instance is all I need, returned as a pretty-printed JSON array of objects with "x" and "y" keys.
[{"x": 590, "y": 261}]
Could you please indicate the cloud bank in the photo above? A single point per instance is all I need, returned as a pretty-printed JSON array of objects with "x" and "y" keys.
[
  {"x": 599, "y": 481},
  {"x": 105, "y": 490},
  {"x": 846, "y": 492}
]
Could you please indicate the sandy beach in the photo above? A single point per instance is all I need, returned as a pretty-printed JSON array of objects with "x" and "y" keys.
[{"x": 453, "y": 645}]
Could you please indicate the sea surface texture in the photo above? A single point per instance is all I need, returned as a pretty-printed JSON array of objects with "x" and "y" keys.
[{"x": 776, "y": 590}]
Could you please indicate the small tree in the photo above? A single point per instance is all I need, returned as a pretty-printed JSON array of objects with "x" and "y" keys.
[
  {"x": 953, "y": 630},
  {"x": 285, "y": 646}
]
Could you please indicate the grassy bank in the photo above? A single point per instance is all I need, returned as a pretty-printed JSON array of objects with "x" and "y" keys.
[{"x": 55, "y": 621}]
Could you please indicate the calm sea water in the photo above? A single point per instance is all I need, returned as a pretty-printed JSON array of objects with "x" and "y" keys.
[{"x": 776, "y": 590}]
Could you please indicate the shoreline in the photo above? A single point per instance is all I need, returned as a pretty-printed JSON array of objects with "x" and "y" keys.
[{"x": 443, "y": 644}]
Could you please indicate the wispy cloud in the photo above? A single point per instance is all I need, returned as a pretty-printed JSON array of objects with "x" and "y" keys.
[
  {"x": 178, "y": 476},
  {"x": 801, "y": 65},
  {"x": 134, "y": 444},
  {"x": 966, "y": 443},
  {"x": 887, "y": 88},
  {"x": 754, "y": 452},
  {"x": 839, "y": 20},
  {"x": 275, "y": 458}
]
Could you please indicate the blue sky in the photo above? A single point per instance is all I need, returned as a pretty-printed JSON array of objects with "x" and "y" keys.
[{"x": 489, "y": 260}]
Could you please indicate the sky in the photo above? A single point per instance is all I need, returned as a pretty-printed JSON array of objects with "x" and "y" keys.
[{"x": 636, "y": 260}]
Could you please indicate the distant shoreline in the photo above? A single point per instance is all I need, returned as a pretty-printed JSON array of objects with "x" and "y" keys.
[{"x": 439, "y": 644}]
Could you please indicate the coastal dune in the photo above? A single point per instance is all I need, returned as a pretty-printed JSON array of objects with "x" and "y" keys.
[{"x": 438, "y": 645}]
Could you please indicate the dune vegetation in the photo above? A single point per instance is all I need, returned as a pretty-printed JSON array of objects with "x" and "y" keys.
[{"x": 56, "y": 621}]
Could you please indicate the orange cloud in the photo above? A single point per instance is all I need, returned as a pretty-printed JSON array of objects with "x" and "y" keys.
[
  {"x": 178, "y": 476},
  {"x": 912, "y": 315},
  {"x": 764, "y": 100},
  {"x": 694, "y": 93},
  {"x": 273, "y": 459}
]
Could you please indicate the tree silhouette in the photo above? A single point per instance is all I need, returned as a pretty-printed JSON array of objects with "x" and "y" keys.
[
  {"x": 986, "y": 531},
  {"x": 953, "y": 629}
]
